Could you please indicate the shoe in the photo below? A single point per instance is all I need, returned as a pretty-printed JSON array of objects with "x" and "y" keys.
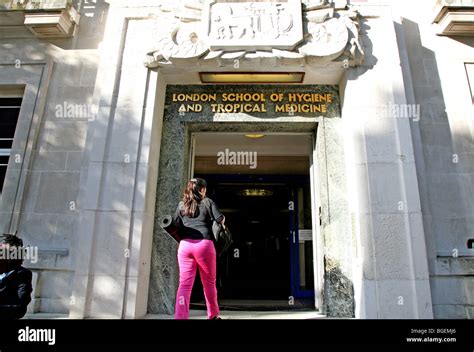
[{"x": 216, "y": 318}]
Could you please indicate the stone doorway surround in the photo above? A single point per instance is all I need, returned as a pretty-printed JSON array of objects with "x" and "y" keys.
[{"x": 376, "y": 263}]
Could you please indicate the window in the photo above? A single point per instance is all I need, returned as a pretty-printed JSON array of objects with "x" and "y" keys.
[{"x": 9, "y": 111}]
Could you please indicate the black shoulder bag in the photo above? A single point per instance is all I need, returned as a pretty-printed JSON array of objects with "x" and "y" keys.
[{"x": 222, "y": 235}]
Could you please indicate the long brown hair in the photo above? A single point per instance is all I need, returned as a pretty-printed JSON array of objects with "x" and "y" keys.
[{"x": 192, "y": 197}]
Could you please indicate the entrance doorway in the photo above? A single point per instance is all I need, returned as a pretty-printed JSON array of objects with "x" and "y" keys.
[{"x": 261, "y": 182}]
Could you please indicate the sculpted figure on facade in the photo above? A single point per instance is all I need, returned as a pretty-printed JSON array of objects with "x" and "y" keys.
[
  {"x": 296, "y": 29},
  {"x": 250, "y": 21}
]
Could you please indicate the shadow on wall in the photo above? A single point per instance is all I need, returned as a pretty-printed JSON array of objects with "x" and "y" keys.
[
  {"x": 122, "y": 125},
  {"x": 338, "y": 269},
  {"x": 91, "y": 26},
  {"x": 68, "y": 165},
  {"x": 468, "y": 41},
  {"x": 447, "y": 149},
  {"x": 370, "y": 60},
  {"x": 50, "y": 213}
]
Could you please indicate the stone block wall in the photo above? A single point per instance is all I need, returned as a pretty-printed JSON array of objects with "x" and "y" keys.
[
  {"x": 444, "y": 154},
  {"x": 84, "y": 205},
  {"x": 49, "y": 211}
]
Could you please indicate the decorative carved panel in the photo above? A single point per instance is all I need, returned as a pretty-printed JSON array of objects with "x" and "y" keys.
[
  {"x": 292, "y": 31},
  {"x": 253, "y": 25}
]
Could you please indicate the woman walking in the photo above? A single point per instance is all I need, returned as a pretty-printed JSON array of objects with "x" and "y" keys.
[{"x": 196, "y": 248}]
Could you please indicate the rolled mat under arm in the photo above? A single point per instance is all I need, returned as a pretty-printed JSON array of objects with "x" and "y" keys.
[{"x": 170, "y": 227}]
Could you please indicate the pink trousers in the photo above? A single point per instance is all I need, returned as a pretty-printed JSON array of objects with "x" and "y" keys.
[{"x": 192, "y": 254}]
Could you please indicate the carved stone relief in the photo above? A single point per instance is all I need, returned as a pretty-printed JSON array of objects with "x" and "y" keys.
[
  {"x": 254, "y": 25},
  {"x": 293, "y": 30}
]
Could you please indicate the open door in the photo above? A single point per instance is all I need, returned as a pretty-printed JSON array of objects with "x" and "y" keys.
[
  {"x": 270, "y": 211},
  {"x": 316, "y": 233},
  {"x": 301, "y": 247}
]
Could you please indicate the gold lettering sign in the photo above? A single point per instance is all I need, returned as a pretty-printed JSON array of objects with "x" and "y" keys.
[{"x": 304, "y": 100}]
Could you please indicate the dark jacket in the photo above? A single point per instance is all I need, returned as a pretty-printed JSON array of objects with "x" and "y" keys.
[
  {"x": 15, "y": 293},
  {"x": 200, "y": 226}
]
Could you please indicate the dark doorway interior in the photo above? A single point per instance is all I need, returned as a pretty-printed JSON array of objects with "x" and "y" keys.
[{"x": 258, "y": 266}]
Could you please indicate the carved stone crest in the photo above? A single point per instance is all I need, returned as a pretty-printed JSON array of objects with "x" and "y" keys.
[
  {"x": 298, "y": 31},
  {"x": 253, "y": 25}
]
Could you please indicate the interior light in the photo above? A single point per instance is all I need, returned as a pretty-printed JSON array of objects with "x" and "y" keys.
[
  {"x": 255, "y": 192},
  {"x": 251, "y": 77}
]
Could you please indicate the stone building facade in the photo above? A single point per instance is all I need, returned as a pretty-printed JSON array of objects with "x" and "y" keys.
[{"x": 102, "y": 147}]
